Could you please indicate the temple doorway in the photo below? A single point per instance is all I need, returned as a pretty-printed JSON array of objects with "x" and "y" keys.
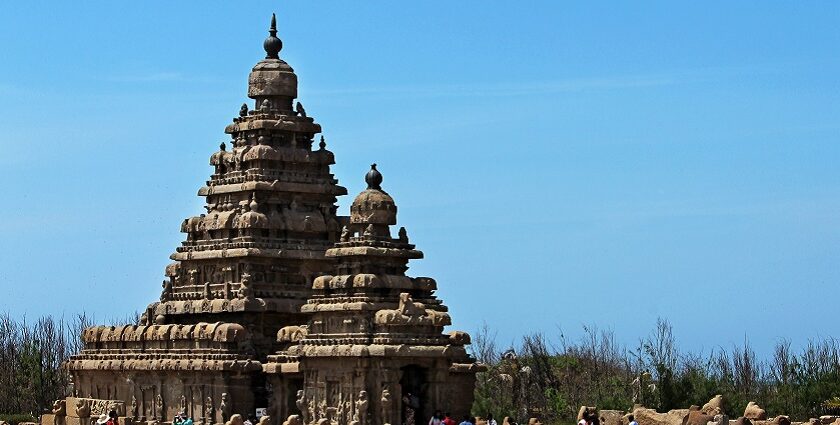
[{"x": 414, "y": 384}]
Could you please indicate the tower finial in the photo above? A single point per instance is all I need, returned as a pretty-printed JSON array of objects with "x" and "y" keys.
[
  {"x": 373, "y": 178},
  {"x": 272, "y": 44}
]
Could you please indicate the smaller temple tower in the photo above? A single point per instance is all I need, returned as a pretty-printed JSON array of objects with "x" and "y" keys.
[{"x": 374, "y": 351}]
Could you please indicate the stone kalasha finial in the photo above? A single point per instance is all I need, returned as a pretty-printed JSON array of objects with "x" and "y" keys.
[
  {"x": 323, "y": 144},
  {"x": 272, "y": 44},
  {"x": 373, "y": 178},
  {"x": 222, "y": 146}
]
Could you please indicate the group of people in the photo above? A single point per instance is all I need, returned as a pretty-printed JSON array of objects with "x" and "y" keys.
[
  {"x": 110, "y": 419},
  {"x": 182, "y": 419},
  {"x": 592, "y": 419},
  {"x": 445, "y": 419}
]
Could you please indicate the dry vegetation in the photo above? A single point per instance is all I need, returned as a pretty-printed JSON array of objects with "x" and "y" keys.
[{"x": 551, "y": 379}]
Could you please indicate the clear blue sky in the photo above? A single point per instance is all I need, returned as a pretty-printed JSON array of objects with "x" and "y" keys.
[{"x": 559, "y": 163}]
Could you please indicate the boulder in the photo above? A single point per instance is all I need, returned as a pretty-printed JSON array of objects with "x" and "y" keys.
[
  {"x": 235, "y": 420},
  {"x": 696, "y": 417},
  {"x": 781, "y": 420},
  {"x": 754, "y": 412},
  {"x": 719, "y": 420},
  {"x": 714, "y": 406},
  {"x": 611, "y": 417},
  {"x": 293, "y": 420},
  {"x": 741, "y": 421},
  {"x": 651, "y": 417}
]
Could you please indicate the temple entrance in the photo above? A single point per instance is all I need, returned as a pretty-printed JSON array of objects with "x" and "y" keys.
[{"x": 414, "y": 384}]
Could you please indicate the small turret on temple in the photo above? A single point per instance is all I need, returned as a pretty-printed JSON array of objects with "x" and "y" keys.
[{"x": 374, "y": 350}]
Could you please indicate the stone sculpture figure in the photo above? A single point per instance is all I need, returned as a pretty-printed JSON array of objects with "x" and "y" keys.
[
  {"x": 167, "y": 289},
  {"x": 361, "y": 408},
  {"x": 245, "y": 292},
  {"x": 160, "y": 411},
  {"x": 183, "y": 404},
  {"x": 82, "y": 408},
  {"x": 59, "y": 408},
  {"x": 224, "y": 407},
  {"x": 243, "y": 111},
  {"x": 299, "y": 109},
  {"x": 369, "y": 231},
  {"x": 301, "y": 404},
  {"x": 209, "y": 411},
  {"x": 133, "y": 407},
  {"x": 403, "y": 235},
  {"x": 386, "y": 401},
  {"x": 345, "y": 234}
]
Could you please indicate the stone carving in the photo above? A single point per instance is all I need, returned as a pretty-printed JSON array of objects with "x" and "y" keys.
[
  {"x": 299, "y": 109},
  {"x": 209, "y": 411},
  {"x": 302, "y": 405},
  {"x": 82, "y": 408},
  {"x": 224, "y": 407},
  {"x": 403, "y": 235},
  {"x": 134, "y": 407},
  {"x": 386, "y": 401},
  {"x": 59, "y": 408},
  {"x": 291, "y": 333},
  {"x": 345, "y": 234},
  {"x": 243, "y": 111},
  {"x": 360, "y": 415},
  {"x": 160, "y": 410},
  {"x": 245, "y": 290},
  {"x": 167, "y": 289}
]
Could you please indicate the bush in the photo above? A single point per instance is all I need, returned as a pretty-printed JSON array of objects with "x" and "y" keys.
[
  {"x": 551, "y": 381},
  {"x": 16, "y": 418}
]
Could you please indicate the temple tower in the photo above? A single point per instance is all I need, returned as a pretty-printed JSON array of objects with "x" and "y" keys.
[
  {"x": 243, "y": 272},
  {"x": 374, "y": 351}
]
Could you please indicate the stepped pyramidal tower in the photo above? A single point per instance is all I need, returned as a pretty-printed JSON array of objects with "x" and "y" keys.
[{"x": 273, "y": 301}]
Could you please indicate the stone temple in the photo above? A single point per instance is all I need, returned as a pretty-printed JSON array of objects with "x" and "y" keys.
[{"x": 276, "y": 302}]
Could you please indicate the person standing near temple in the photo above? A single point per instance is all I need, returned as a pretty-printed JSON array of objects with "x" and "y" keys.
[
  {"x": 437, "y": 418},
  {"x": 490, "y": 420},
  {"x": 631, "y": 420},
  {"x": 447, "y": 419},
  {"x": 583, "y": 421}
]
